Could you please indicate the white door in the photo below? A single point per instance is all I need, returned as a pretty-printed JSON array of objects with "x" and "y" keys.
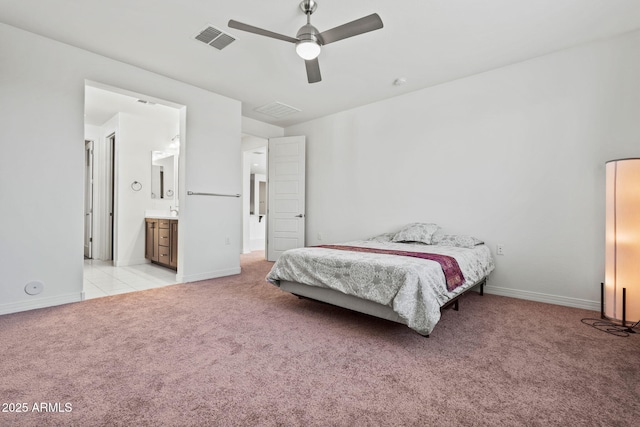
[
  {"x": 88, "y": 198},
  {"x": 286, "y": 202}
]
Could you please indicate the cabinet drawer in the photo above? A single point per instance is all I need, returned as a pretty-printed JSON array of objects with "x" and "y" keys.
[
  {"x": 163, "y": 237},
  {"x": 163, "y": 254},
  {"x": 163, "y": 223}
]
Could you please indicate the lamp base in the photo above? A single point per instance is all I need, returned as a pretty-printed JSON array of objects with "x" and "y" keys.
[{"x": 610, "y": 325}]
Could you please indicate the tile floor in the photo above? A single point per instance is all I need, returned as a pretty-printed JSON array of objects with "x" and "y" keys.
[{"x": 102, "y": 279}]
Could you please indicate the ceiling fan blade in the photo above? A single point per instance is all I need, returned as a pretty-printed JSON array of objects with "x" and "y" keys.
[
  {"x": 353, "y": 28},
  {"x": 313, "y": 70},
  {"x": 251, "y": 29}
]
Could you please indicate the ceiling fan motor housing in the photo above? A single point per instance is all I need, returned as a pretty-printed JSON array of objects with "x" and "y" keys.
[{"x": 309, "y": 33}]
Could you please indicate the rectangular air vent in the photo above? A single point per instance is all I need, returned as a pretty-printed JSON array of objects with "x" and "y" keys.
[
  {"x": 214, "y": 37},
  {"x": 277, "y": 109}
]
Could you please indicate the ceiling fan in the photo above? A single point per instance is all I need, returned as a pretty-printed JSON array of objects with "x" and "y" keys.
[{"x": 309, "y": 40}]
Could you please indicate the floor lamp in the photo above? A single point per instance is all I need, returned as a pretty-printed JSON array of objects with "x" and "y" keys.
[{"x": 620, "y": 293}]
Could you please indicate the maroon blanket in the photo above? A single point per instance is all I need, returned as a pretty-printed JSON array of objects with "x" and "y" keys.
[{"x": 450, "y": 267}]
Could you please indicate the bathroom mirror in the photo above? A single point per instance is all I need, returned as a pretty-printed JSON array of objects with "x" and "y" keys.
[{"x": 163, "y": 175}]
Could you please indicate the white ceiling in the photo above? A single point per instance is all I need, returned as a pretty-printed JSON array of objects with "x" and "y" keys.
[
  {"x": 428, "y": 42},
  {"x": 101, "y": 105}
]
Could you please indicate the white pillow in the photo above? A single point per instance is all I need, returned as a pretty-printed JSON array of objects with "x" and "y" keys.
[
  {"x": 458, "y": 240},
  {"x": 385, "y": 237},
  {"x": 416, "y": 232}
]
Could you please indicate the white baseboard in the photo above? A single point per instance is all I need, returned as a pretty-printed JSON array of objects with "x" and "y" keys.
[
  {"x": 540, "y": 297},
  {"x": 128, "y": 262},
  {"x": 495, "y": 290},
  {"x": 16, "y": 307},
  {"x": 208, "y": 275}
]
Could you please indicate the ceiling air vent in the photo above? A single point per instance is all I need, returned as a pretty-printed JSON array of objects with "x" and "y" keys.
[
  {"x": 277, "y": 109},
  {"x": 214, "y": 37}
]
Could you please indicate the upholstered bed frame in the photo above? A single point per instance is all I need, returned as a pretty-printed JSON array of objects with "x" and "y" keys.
[{"x": 360, "y": 305}]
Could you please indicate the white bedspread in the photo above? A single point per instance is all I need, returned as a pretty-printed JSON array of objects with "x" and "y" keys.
[{"x": 414, "y": 288}]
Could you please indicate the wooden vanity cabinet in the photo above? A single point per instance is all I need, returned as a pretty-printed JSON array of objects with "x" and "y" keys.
[
  {"x": 151, "y": 235},
  {"x": 162, "y": 241},
  {"x": 173, "y": 249}
]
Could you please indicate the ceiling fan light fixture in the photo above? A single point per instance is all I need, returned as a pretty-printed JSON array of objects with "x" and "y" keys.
[
  {"x": 309, "y": 40},
  {"x": 308, "y": 49}
]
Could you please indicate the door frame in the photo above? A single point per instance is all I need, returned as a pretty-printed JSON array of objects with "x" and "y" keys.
[
  {"x": 110, "y": 188},
  {"x": 88, "y": 199}
]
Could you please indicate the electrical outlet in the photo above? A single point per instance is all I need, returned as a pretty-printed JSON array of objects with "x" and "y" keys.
[
  {"x": 500, "y": 249},
  {"x": 227, "y": 241},
  {"x": 319, "y": 236}
]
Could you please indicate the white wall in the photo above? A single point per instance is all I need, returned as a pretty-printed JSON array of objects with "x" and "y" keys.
[
  {"x": 258, "y": 232},
  {"x": 92, "y": 132},
  {"x": 41, "y": 170},
  {"x": 136, "y": 139},
  {"x": 513, "y": 156},
  {"x": 260, "y": 129}
]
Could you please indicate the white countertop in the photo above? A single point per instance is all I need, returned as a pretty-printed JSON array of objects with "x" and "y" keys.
[{"x": 160, "y": 214}]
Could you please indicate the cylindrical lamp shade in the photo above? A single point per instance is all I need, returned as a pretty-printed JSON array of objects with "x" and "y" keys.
[{"x": 622, "y": 258}]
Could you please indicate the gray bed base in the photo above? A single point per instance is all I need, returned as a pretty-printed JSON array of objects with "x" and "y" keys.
[{"x": 350, "y": 302}]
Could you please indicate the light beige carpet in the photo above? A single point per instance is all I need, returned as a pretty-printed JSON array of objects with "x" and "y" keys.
[{"x": 238, "y": 351}]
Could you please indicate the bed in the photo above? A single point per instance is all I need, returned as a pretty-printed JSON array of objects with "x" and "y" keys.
[{"x": 407, "y": 277}]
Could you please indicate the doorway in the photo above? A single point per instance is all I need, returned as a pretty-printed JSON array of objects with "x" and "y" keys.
[
  {"x": 274, "y": 194},
  {"x": 96, "y": 229},
  {"x": 254, "y": 206},
  {"x": 125, "y": 130}
]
